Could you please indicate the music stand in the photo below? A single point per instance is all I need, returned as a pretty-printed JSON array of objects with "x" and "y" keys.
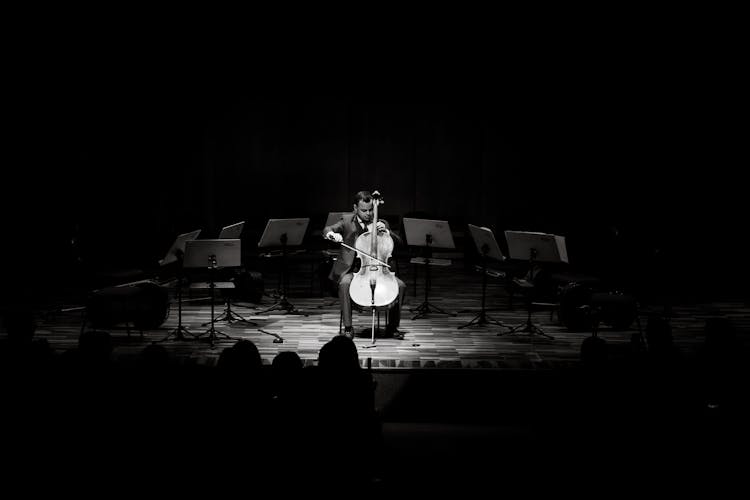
[
  {"x": 334, "y": 217},
  {"x": 176, "y": 253},
  {"x": 232, "y": 231},
  {"x": 212, "y": 255},
  {"x": 283, "y": 233},
  {"x": 228, "y": 315},
  {"x": 487, "y": 246},
  {"x": 178, "y": 247},
  {"x": 534, "y": 247},
  {"x": 429, "y": 234},
  {"x": 178, "y": 332}
]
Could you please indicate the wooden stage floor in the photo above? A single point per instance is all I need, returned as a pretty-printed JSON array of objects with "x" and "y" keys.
[{"x": 433, "y": 341}]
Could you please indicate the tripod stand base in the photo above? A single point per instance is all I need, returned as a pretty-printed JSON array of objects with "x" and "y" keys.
[
  {"x": 283, "y": 305},
  {"x": 528, "y": 328},
  {"x": 212, "y": 334},
  {"x": 482, "y": 319},
  {"x": 230, "y": 317},
  {"x": 426, "y": 308},
  {"x": 177, "y": 333}
]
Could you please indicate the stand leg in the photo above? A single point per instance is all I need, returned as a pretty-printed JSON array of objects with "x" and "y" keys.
[
  {"x": 283, "y": 304},
  {"x": 212, "y": 333},
  {"x": 482, "y": 318},
  {"x": 177, "y": 333},
  {"x": 527, "y": 327},
  {"x": 180, "y": 331},
  {"x": 230, "y": 316},
  {"x": 425, "y": 307}
]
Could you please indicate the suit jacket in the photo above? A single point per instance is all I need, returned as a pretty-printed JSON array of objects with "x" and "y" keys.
[{"x": 349, "y": 228}]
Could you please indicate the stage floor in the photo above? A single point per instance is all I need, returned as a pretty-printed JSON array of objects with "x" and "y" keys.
[{"x": 431, "y": 341}]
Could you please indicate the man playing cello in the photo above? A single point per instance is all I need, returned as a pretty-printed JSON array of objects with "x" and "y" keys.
[{"x": 346, "y": 231}]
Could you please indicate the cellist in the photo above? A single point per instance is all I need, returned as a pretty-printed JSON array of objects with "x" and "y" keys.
[{"x": 347, "y": 230}]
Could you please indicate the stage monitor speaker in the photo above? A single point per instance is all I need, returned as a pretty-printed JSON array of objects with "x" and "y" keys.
[
  {"x": 580, "y": 306},
  {"x": 145, "y": 305},
  {"x": 617, "y": 310}
]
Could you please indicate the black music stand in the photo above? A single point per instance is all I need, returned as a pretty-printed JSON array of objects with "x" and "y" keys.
[
  {"x": 486, "y": 244},
  {"x": 178, "y": 332},
  {"x": 212, "y": 255},
  {"x": 228, "y": 315},
  {"x": 177, "y": 250},
  {"x": 176, "y": 253},
  {"x": 283, "y": 233},
  {"x": 534, "y": 247},
  {"x": 429, "y": 234}
]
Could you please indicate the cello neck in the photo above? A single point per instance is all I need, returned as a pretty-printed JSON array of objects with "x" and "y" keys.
[{"x": 374, "y": 238}]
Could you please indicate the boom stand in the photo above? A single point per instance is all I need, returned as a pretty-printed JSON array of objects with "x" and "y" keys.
[
  {"x": 177, "y": 333},
  {"x": 425, "y": 307},
  {"x": 528, "y": 327},
  {"x": 287, "y": 232},
  {"x": 482, "y": 318}
]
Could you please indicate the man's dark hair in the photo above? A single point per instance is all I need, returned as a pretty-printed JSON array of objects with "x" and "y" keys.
[{"x": 365, "y": 196}]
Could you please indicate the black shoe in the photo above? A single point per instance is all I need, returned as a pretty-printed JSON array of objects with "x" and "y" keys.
[
  {"x": 348, "y": 332},
  {"x": 394, "y": 333}
]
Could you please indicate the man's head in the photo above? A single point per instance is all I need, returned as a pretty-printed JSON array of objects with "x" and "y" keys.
[{"x": 363, "y": 206}]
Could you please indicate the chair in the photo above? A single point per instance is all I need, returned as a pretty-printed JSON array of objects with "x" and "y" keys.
[{"x": 368, "y": 311}]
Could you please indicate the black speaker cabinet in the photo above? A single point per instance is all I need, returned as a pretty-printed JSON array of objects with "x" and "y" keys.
[{"x": 145, "y": 305}]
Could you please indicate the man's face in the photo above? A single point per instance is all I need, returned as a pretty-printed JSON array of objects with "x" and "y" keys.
[{"x": 364, "y": 210}]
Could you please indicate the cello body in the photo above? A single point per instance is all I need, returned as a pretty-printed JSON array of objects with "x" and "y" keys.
[{"x": 374, "y": 285}]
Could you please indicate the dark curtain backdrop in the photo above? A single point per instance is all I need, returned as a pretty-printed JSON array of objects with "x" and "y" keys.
[{"x": 621, "y": 152}]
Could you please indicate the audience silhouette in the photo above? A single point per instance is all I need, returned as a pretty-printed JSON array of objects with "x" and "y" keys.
[
  {"x": 20, "y": 350},
  {"x": 286, "y": 383},
  {"x": 344, "y": 408}
]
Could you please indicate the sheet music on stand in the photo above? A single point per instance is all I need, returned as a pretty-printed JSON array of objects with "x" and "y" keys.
[
  {"x": 178, "y": 246},
  {"x": 334, "y": 217},
  {"x": 431, "y": 233},
  {"x": 435, "y": 233},
  {"x": 280, "y": 234},
  {"x": 232, "y": 231},
  {"x": 545, "y": 247},
  {"x": 484, "y": 238},
  {"x": 224, "y": 252}
]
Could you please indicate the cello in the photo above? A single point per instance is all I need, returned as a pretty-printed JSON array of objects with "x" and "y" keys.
[{"x": 374, "y": 285}]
